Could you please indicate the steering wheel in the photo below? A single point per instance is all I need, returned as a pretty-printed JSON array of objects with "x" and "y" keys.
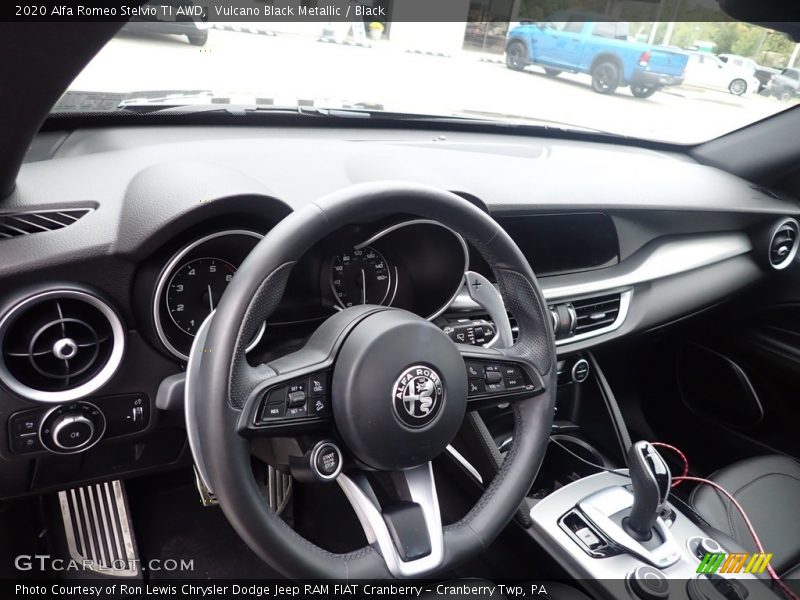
[{"x": 398, "y": 395}]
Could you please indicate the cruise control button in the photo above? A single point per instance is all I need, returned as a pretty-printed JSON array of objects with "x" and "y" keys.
[
  {"x": 298, "y": 386},
  {"x": 476, "y": 386},
  {"x": 273, "y": 411},
  {"x": 277, "y": 396},
  {"x": 296, "y": 411},
  {"x": 296, "y": 398},
  {"x": 317, "y": 386}
]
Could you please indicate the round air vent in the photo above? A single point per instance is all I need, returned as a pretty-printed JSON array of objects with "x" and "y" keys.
[
  {"x": 783, "y": 244},
  {"x": 59, "y": 345}
]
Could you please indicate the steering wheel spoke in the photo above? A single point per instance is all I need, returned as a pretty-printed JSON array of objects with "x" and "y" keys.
[
  {"x": 495, "y": 376},
  {"x": 407, "y": 532}
]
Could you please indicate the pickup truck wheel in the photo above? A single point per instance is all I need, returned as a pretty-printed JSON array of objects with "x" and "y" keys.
[
  {"x": 515, "y": 56},
  {"x": 643, "y": 91},
  {"x": 605, "y": 77},
  {"x": 552, "y": 72},
  {"x": 737, "y": 87},
  {"x": 784, "y": 95}
]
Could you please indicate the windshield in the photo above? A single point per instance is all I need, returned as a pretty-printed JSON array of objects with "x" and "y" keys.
[{"x": 682, "y": 82}]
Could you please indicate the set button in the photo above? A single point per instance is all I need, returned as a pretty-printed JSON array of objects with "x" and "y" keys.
[{"x": 307, "y": 397}]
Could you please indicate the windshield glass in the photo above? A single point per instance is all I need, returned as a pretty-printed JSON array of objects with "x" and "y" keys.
[{"x": 681, "y": 81}]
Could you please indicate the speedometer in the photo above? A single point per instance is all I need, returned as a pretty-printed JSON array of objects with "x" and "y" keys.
[{"x": 360, "y": 276}]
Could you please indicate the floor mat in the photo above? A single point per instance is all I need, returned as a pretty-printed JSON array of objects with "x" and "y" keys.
[{"x": 170, "y": 523}]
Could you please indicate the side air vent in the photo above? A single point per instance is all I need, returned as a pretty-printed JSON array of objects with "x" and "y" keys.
[
  {"x": 783, "y": 244},
  {"x": 59, "y": 345},
  {"x": 596, "y": 313},
  {"x": 26, "y": 223}
]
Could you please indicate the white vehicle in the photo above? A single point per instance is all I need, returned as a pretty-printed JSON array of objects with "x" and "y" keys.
[{"x": 707, "y": 70}]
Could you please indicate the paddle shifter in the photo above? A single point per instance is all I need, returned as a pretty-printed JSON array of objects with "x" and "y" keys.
[{"x": 651, "y": 483}]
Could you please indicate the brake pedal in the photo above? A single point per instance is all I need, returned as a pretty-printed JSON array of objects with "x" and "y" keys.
[
  {"x": 277, "y": 487},
  {"x": 98, "y": 529}
]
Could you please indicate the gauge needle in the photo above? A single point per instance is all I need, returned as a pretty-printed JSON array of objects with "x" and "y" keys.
[
  {"x": 363, "y": 287},
  {"x": 210, "y": 299}
]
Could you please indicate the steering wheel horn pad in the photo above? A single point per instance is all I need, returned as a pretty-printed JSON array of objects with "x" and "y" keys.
[{"x": 399, "y": 391}]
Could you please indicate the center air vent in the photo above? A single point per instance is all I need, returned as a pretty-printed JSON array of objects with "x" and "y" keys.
[
  {"x": 26, "y": 223},
  {"x": 59, "y": 345},
  {"x": 783, "y": 244},
  {"x": 596, "y": 313}
]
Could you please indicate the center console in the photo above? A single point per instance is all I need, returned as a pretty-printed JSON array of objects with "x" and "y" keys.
[{"x": 617, "y": 530}]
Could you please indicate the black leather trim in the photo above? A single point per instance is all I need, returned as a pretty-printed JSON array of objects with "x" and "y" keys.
[{"x": 768, "y": 488}]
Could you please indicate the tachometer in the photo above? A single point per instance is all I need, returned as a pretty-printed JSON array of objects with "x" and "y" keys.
[
  {"x": 360, "y": 276},
  {"x": 195, "y": 289}
]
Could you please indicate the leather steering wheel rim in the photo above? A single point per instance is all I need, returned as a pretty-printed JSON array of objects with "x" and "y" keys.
[{"x": 254, "y": 293}]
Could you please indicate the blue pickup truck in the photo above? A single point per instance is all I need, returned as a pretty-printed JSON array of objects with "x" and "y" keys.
[{"x": 579, "y": 44}]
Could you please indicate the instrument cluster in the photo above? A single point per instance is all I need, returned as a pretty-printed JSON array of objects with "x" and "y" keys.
[{"x": 417, "y": 265}]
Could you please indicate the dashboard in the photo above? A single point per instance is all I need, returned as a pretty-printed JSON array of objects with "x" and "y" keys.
[{"x": 118, "y": 243}]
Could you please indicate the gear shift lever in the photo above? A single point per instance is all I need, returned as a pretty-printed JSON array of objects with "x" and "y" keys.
[{"x": 651, "y": 483}]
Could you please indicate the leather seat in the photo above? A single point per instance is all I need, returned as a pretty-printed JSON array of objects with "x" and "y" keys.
[{"x": 768, "y": 488}]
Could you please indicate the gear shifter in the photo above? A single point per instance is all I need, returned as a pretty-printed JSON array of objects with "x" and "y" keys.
[{"x": 651, "y": 483}]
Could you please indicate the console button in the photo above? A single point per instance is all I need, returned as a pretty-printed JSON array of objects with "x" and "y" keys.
[
  {"x": 25, "y": 425},
  {"x": 72, "y": 431},
  {"x": 476, "y": 386},
  {"x": 648, "y": 583},
  {"x": 588, "y": 537},
  {"x": 27, "y": 443}
]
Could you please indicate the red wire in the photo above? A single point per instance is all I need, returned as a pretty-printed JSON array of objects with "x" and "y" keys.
[
  {"x": 675, "y": 481},
  {"x": 685, "y": 477},
  {"x": 750, "y": 528}
]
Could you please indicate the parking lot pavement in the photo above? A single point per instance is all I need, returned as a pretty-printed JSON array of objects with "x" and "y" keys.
[{"x": 291, "y": 68}]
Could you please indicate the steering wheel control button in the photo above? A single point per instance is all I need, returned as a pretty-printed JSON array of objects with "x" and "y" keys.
[
  {"x": 72, "y": 428},
  {"x": 476, "y": 386},
  {"x": 475, "y": 370},
  {"x": 648, "y": 583},
  {"x": 487, "y": 380},
  {"x": 417, "y": 395},
  {"x": 318, "y": 407},
  {"x": 295, "y": 399},
  {"x": 318, "y": 386},
  {"x": 273, "y": 411}
]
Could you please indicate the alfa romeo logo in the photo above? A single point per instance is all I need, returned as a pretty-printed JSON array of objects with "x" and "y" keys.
[{"x": 417, "y": 395}]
